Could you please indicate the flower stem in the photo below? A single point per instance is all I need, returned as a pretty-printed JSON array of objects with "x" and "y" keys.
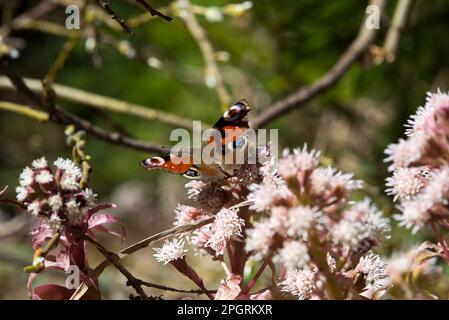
[{"x": 258, "y": 274}]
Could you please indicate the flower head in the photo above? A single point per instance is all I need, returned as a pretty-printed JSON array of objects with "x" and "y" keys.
[
  {"x": 170, "y": 251},
  {"x": 301, "y": 283}
]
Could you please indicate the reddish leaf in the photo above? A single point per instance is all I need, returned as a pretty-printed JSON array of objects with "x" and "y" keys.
[
  {"x": 52, "y": 292},
  {"x": 99, "y": 207},
  {"x": 41, "y": 234},
  {"x": 97, "y": 222}
]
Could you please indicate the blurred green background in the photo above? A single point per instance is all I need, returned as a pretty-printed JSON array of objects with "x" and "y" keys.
[{"x": 274, "y": 48}]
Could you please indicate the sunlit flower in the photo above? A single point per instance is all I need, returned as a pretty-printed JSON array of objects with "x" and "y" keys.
[
  {"x": 170, "y": 251},
  {"x": 301, "y": 283},
  {"x": 300, "y": 221},
  {"x": 293, "y": 254},
  {"x": 26, "y": 177},
  {"x": 227, "y": 226},
  {"x": 373, "y": 270},
  {"x": 407, "y": 182},
  {"x": 414, "y": 215},
  {"x": 362, "y": 225}
]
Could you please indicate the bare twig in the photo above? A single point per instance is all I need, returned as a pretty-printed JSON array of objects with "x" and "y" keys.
[
  {"x": 82, "y": 289},
  {"x": 106, "y": 7},
  {"x": 357, "y": 48},
  {"x": 65, "y": 118},
  {"x": 397, "y": 27},
  {"x": 153, "y": 11},
  {"x": 114, "y": 260},
  {"x": 24, "y": 110},
  {"x": 162, "y": 287},
  {"x": 105, "y": 103},
  {"x": 213, "y": 76}
]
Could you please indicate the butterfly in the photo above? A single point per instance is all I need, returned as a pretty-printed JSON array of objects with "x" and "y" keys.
[{"x": 232, "y": 127}]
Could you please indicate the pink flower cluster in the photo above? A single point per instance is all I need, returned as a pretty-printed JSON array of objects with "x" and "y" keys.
[
  {"x": 308, "y": 226},
  {"x": 298, "y": 217},
  {"x": 66, "y": 213},
  {"x": 419, "y": 165}
]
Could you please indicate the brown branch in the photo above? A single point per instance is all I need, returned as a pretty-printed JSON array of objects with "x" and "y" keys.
[
  {"x": 65, "y": 118},
  {"x": 114, "y": 260},
  {"x": 153, "y": 11},
  {"x": 106, "y": 7},
  {"x": 162, "y": 287},
  {"x": 104, "y": 103},
  {"x": 358, "y": 47}
]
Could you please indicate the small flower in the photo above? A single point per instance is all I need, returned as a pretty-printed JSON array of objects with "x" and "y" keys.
[
  {"x": 55, "y": 202},
  {"x": 40, "y": 163},
  {"x": 331, "y": 263},
  {"x": 187, "y": 214},
  {"x": 301, "y": 220},
  {"x": 71, "y": 174},
  {"x": 330, "y": 186},
  {"x": 293, "y": 254},
  {"x": 268, "y": 193},
  {"x": 26, "y": 177},
  {"x": 74, "y": 213},
  {"x": 414, "y": 215},
  {"x": 90, "y": 196},
  {"x": 44, "y": 176},
  {"x": 34, "y": 208},
  {"x": 301, "y": 283},
  {"x": 227, "y": 226},
  {"x": 170, "y": 251},
  {"x": 213, "y": 14},
  {"x": 407, "y": 182},
  {"x": 237, "y": 9},
  {"x": 259, "y": 238},
  {"x": 55, "y": 222},
  {"x": 362, "y": 225},
  {"x": 301, "y": 161},
  {"x": 373, "y": 269},
  {"x": 418, "y": 149},
  {"x": 207, "y": 195},
  {"x": 22, "y": 193}
]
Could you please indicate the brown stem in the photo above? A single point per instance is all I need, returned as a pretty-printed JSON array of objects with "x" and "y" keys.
[
  {"x": 299, "y": 98},
  {"x": 259, "y": 272}
]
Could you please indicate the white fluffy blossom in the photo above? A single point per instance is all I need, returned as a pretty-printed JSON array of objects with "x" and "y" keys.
[
  {"x": 26, "y": 177},
  {"x": 40, "y": 163},
  {"x": 170, "y": 251},
  {"x": 373, "y": 268},
  {"x": 300, "y": 221},
  {"x": 301, "y": 283},
  {"x": 407, "y": 182},
  {"x": 293, "y": 254},
  {"x": 44, "y": 176},
  {"x": 227, "y": 226},
  {"x": 361, "y": 222},
  {"x": 71, "y": 174}
]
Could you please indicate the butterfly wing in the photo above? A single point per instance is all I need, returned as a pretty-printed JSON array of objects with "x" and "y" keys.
[{"x": 232, "y": 126}]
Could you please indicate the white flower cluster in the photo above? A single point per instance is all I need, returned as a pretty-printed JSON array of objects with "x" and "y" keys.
[
  {"x": 307, "y": 210},
  {"x": 56, "y": 197},
  {"x": 419, "y": 165}
]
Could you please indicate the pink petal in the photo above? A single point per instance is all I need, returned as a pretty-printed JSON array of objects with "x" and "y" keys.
[
  {"x": 41, "y": 234},
  {"x": 99, "y": 207},
  {"x": 97, "y": 221}
]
